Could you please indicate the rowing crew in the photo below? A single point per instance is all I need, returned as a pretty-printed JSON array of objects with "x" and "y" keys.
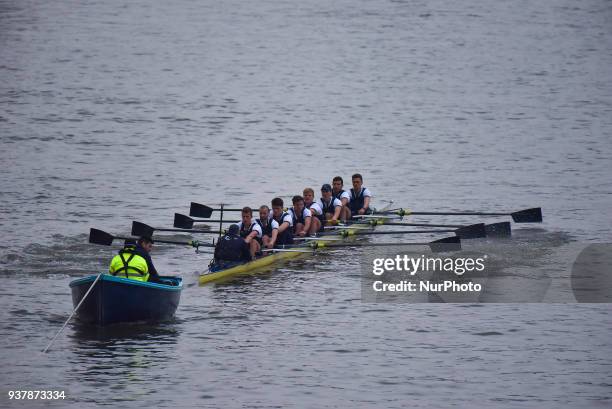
[{"x": 244, "y": 241}]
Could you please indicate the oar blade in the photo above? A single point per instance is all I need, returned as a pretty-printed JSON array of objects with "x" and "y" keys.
[
  {"x": 200, "y": 210},
  {"x": 100, "y": 237},
  {"x": 473, "y": 231},
  {"x": 502, "y": 229},
  {"x": 141, "y": 229},
  {"x": 183, "y": 222},
  {"x": 533, "y": 215},
  {"x": 445, "y": 244}
]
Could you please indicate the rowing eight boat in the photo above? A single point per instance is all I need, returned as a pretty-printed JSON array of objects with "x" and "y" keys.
[{"x": 217, "y": 273}]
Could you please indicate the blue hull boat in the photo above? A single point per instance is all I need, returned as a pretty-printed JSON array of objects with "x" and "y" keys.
[{"x": 116, "y": 300}]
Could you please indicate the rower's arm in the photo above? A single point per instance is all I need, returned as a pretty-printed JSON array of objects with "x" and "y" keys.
[
  {"x": 273, "y": 238},
  {"x": 344, "y": 201},
  {"x": 283, "y": 226},
  {"x": 366, "y": 202},
  {"x": 307, "y": 221},
  {"x": 251, "y": 236},
  {"x": 336, "y": 215}
]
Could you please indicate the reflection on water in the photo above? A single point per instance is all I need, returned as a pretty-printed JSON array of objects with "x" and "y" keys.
[
  {"x": 129, "y": 358},
  {"x": 86, "y": 336}
]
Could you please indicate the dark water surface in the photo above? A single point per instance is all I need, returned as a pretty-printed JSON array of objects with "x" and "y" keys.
[{"x": 112, "y": 112}]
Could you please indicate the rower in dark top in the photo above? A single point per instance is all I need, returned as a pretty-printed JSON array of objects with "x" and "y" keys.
[
  {"x": 268, "y": 226},
  {"x": 232, "y": 247},
  {"x": 360, "y": 196},
  {"x": 300, "y": 216},
  {"x": 250, "y": 230},
  {"x": 284, "y": 223},
  {"x": 339, "y": 193},
  {"x": 330, "y": 206}
]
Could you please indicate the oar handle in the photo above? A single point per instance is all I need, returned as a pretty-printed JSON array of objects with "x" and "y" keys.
[
  {"x": 214, "y": 221},
  {"x": 348, "y": 233},
  {"x": 373, "y": 244},
  {"x": 450, "y": 226},
  {"x": 459, "y": 214},
  {"x": 405, "y": 212},
  {"x": 532, "y": 215},
  {"x": 192, "y": 243},
  {"x": 186, "y": 230}
]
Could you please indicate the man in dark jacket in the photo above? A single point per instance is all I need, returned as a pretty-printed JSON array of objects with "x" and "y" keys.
[{"x": 232, "y": 247}]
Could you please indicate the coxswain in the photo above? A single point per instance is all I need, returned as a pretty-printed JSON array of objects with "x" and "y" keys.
[
  {"x": 134, "y": 261},
  {"x": 315, "y": 210},
  {"x": 250, "y": 231},
  {"x": 330, "y": 206},
  {"x": 360, "y": 196},
  {"x": 268, "y": 226},
  {"x": 301, "y": 217},
  {"x": 284, "y": 223},
  {"x": 232, "y": 247},
  {"x": 339, "y": 193}
]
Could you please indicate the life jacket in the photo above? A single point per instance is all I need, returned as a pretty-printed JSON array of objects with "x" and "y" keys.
[
  {"x": 357, "y": 200},
  {"x": 265, "y": 230},
  {"x": 231, "y": 248},
  {"x": 285, "y": 237},
  {"x": 129, "y": 264},
  {"x": 297, "y": 218},
  {"x": 245, "y": 231},
  {"x": 337, "y": 195},
  {"x": 327, "y": 207}
]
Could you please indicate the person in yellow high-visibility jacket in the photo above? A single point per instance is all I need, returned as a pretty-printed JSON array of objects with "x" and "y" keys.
[{"x": 134, "y": 262}]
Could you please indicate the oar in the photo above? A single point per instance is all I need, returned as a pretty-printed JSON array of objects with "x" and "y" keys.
[
  {"x": 200, "y": 210},
  {"x": 533, "y": 215},
  {"x": 317, "y": 238},
  {"x": 285, "y": 251},
  {"x": 141, "y": 229},
  {"x": 502, "y": 229},
  {"x": 185, "y": 222},
  {"x": 106, "y": 239},
  {"x": 347, "y": 233},
  {"x": 471, "y": 231},
  {"x": 441, "y": 245}
]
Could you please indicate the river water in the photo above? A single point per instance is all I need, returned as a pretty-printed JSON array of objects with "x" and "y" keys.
[{"x": 112, "y": 112}]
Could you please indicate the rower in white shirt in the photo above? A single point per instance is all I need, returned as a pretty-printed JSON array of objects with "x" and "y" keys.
[
  {"x": 302, "y": 218},
  {"x": 250, "y": 231},
  {"x": 343, "y": 196},
  {"x": 268, "y": 226},
  {"x": 315, "y": 210}
]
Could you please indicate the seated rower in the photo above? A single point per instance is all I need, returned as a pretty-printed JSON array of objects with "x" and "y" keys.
[
  {"x": 250, "y": 231},
  {"x": 232, "y": 247},
  {"x": 360, "y": 196},
  {"x": 301, "y": 217},
  {"x": 315, "y": 210},
  {"x": 134, "y": 262},
  {"x": 330, "y": 206},
  {"x": 339, "y": 193},
  {"x": 284, "y": 223},
  {"x": 268, "y": 226}
]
